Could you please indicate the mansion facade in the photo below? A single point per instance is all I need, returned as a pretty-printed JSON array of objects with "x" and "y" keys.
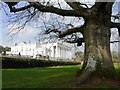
[{"x": 55, "y": 51}]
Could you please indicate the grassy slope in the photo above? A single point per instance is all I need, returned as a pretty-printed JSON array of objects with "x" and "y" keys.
[{"x": 50, "y": 77}]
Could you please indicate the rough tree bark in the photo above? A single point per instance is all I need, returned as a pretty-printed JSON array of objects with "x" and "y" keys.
[
  {"x": 97, "y": 47},
  {"x": 97, "y": 53}
]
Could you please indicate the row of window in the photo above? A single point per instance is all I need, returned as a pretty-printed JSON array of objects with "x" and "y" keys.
[
  {"x": 32, "y": 49},
  {"x": 23, "y": 49}
]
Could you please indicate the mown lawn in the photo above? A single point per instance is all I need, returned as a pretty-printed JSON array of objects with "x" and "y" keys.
[{"x": 50, "y": 77}]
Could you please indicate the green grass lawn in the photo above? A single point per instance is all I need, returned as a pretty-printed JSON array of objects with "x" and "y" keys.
[
  {"x": 60, "y": 76},
  {"x": 50, "y": 77}
]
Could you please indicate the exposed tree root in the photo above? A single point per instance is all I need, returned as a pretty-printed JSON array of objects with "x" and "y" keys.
[
  {"x": 84, "y": 76},
  {"x": 91, "y": 77}
]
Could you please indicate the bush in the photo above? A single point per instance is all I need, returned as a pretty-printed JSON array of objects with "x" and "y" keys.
[{"x": 13, "y": 62}]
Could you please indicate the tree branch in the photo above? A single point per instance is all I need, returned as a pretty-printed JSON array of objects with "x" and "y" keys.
[
  {"x": 13, "y": 9},
  {"x": 44, "y": 8},
  {"x": 72, "y": 30},
  {"x": 116, "y": 25},
  {"x": 114, "y": 41},
  {"x": 74, "y": 4},
  {"x": 77, "y": 6},
  {"x": 76, "y": 40},
  {"x": 58, "y": 11},
  {"x": 99, "y": 5},
  {"x": 79, "y": 41},
  {"x": 116, "y": 16},
  {"x": 109, "y": 7},
  {"x": 52, "y": 30}
]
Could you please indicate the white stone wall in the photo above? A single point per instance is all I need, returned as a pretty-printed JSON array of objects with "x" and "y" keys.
[
  {"x": 23, "y": 49},
  {"x": 53, "y": 50}
]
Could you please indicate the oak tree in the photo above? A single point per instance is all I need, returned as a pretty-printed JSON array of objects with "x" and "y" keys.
[{"x": 95, "y": 30}]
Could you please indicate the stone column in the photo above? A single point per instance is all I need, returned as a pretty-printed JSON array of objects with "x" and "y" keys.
[
  {"x": 57, "y": 52},
  {"x": 60, "y": 52},
  {"x": 63, "y": 53}
]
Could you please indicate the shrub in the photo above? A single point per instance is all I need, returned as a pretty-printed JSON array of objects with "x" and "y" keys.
[{"x": 13, "y": 62}]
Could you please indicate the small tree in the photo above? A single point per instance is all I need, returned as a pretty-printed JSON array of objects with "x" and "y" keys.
[
  {"x": 1, "y": 49},
  {"x": 7, "y": 49}
]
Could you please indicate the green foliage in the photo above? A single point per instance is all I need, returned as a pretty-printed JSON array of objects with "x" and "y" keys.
[
  {"x": 115, "y": 57},
  {"x": 117, "y": 66},
  {"x": 7, "y": 49},
  {"x": 1, "y": 49},
  {"x": 13, "y": 62},
  {"x": 4, "y": 49}
]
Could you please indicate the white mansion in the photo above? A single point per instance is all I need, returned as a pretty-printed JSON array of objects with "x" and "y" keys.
[{"x": 55, "y": 51}]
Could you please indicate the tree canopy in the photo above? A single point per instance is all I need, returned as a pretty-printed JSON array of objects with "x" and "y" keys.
[{"x": 75, "y": 9}]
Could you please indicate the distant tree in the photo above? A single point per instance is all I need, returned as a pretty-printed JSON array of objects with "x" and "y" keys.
[
  {"x": 7, "y": 49},
  {"x": 79, "y": 56},
  {"x": 115, "y": 56},
  {"x": 1, "y": 49},
  {"x": 4, "y": 49}
]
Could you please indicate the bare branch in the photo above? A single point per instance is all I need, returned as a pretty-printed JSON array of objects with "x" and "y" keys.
[
  {"x": 77, "y": 6},
  {"x": 52, "y": 30},
  {"x": 84, "y": 5},
  {"x": 74, "y": 4},
  {"x": 98, "y": 5},
  {"x": 58, "y": 11},
  {"x": 114, "y": 41},
  {"x": 75, "y": 41},
  {"x": 13, "y": 9},
  {"x": 79, "y": 41},
  {"x": 67, "y": 32},
  {"x": 44, "y": 8},
  {"x": 116, "y": 16},
  {"x": 116, "y": 25},
  {"x": 72, "y": 30}
]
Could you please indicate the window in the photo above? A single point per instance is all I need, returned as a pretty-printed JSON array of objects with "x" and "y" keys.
[
  {"x": 30, "y": 49},
  {"x": 22, "y": 49},
  {"x": 26, "y": 48},
  {"x": 54, "y": 50}
]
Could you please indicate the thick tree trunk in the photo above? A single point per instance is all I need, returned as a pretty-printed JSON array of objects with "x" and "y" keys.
[{"x": 97, "y": 57}]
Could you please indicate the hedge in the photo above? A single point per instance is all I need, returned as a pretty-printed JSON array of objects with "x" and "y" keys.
[{"x": 12, "y": 62}]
